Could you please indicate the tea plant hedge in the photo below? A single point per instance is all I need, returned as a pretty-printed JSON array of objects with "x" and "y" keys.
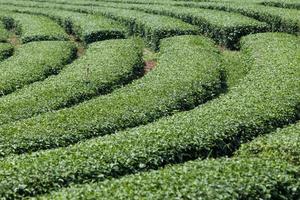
[
  {"x": 280, "y": 19},
  {"x": 293, "y": 4},
  {"x": 224, "y": 27},
  {"x": 105, "y": 66},
  {"x": 197, "y": 103},
  {"x": 264, "y": 100},
  {"x": 34, "y": 62},
  {"x": 152, "y": 27},
  {"x": 32, "y": 27},
  {"x": 266, "y": 168},
  {"x": 188, "y": 74},
  {"x": 87, "y": 28},
  {"x": 149, "y": 26}
]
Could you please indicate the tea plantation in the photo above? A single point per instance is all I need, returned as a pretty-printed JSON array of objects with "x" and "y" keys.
[{"x": 150, "y": 99}]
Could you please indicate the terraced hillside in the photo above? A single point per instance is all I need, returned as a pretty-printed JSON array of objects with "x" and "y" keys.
[{"x": 150, "y": 99}]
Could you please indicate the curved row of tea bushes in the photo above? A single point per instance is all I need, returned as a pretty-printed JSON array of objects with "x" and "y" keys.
[
  {"x": 280, "y": 19},
  {"x": 34, "y": 62},
  {"x": 224, "y": 27},
  {"x": 152, "y": 27},
  {"x": 280, "y": 4},
  {"x": 265, "y": 99},
  {"x": 262, "y": 169},
  {"x": 88, "y": 28},
  {"x": 247, "y": 178},
  {"x": 293, "y": 4},
  {"x": 149, "y": 26},
  {"x": 187, "y": 74},
  {"x": 92, "y": 2},
  {"x": 33, "y": 27},
  {"x": 6, "y": 50},
  {"x": 282, "y": 144},
  {"x": 105, "y": 66}
]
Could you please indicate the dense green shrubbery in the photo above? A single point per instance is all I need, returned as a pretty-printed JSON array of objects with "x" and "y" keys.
[
  {"x": 187, "y": 74},
  {"x": 6, "y": 50},
  {"x": 151, "y": 27},
  {"x": 33, "y": 62},
  {"x": 282, "y": 144},
  {"x": 280, "y": 19},
  {"x": 92, "y": 3},
  {"x": 105, "y": 66},
  {"x": 294, "y": 4},
  {"x": 224, "y": 27},
  {"x": 220, "y": 179},
  {"x": 266, "y": 98},
  {"x": 32, "y": 27},
  {"x": 89, "y": 28},
  {"x": 235, "y": 69},
  {"x": 262, "y": 169}
]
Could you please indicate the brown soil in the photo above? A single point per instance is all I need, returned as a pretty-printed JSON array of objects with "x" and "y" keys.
[
  {"x": 14, "y": 40},
  {"x": 80, "y": 51},
  {"x": 221, "y": 48},
  {"x": 80, "y": 46},
  {"x": 149, "y": 65}
]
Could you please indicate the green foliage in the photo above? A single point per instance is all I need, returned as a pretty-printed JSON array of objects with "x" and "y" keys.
[
  {"x": 3, "y": 33},
  {"x": 91, "y": 28},
  {"x": 283, "y": 144},
  {"x": 280, "y": 19},
  {"x": 234, "y": 67},
  {"x": 32, "y": 27},
  {"x": 266, "y": 98},
  {"x": 105, "y": 66},
  {"x": 261, "y": 170},
  {"x": 88, "y": 28},
  {"x": 6, "y": 50},
  {"x": 184, "y": 78},
  {"x": 43, "y": 113},
  {"x": 229, "y": 179},
  {"x": 224, "y": 27},
  {"x": 33, "y": 62},
  {"x": 152, "y": 27},
  {"x": 293, "y": 4}
]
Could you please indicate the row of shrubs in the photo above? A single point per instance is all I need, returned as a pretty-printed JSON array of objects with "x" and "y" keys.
[
  {"x": 149, "y": 26},
  {"x": 32, "y": 27},
  {"x": 279, "y": 19},
  {"x": 105, "y": 66},
  {"x": 6, "y": 50},
  {"x": 267, "y": 168},
  {"x": 34, "y": 62},
  {"x": 152, "y": 27},
  {"x": 187, "y": 74},
  {"x": 265, "y": 99},
  {"x": 293, "y": 4},
  {"x": 92, "y": 3},
  {"x": 88, "y": 28},
  {"x": 224, "y": 27}
]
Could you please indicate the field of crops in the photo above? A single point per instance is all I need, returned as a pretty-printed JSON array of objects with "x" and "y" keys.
[{"x": 150, "y": 99}]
